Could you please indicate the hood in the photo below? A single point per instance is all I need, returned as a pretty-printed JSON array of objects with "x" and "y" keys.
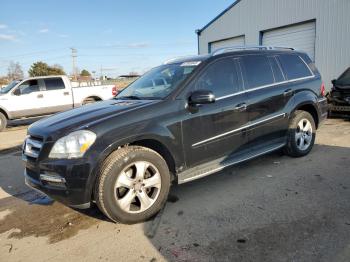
[{"x": 84, "y": 116}]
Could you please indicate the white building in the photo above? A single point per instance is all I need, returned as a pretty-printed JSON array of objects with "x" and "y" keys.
[{"x": 319, "y": 27}]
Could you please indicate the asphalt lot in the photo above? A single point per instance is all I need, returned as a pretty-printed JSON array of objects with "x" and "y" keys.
[{"x": 273, "y": 208}]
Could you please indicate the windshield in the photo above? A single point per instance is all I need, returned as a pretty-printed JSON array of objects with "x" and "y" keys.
[
  {"x": 158, "y": 82},
  {"x": 344, "y": 79},
  {"x": 7, "y": 88}
]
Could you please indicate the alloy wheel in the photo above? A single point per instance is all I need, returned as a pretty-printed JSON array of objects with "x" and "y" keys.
[
  {"x": 303, "y": 134},
  {"x": 137, "y": 187}
]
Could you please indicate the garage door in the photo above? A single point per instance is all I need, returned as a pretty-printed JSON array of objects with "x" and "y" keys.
[
  {"x": 301, "y": 37},
  {"x": 233, "y": 41}
]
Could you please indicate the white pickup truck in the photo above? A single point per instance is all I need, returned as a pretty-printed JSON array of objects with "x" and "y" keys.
[{"x": 39, "y": 96}]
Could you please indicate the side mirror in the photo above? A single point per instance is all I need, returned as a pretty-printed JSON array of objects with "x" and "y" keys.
[
  {"x": 334, "y": 81},
  {"x": 17, "y": 92},
  {"x": 200, "y": 97}
]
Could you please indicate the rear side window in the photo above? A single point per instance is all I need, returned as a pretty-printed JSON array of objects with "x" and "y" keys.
[
  {"x": 293, "y": 66},
  {"x": 220, "y": 77},
  {"x": 54, "y": 84},
  {"x": 257, "y": 71},
  {"x": 277, "y": 72}
]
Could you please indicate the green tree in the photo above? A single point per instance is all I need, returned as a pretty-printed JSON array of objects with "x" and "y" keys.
[
  {"x": 43, "y": 69},
  {"x": 56, "y": 70},
  {"x": 84, "y": 72},
  {"x": 39, "y": 69}
]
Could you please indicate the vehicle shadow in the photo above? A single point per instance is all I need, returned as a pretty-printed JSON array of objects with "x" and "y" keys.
[{"x": 272, "y": 208}]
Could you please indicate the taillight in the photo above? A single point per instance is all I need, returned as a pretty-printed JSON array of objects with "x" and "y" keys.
[
  {"x": 323, "y": 90},
  {"x": 114, "y": 91}
]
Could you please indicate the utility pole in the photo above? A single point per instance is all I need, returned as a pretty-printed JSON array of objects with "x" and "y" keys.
[{"x": 74, "y": 55}]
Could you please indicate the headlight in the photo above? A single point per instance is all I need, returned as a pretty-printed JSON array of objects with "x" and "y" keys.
[{"x": 73, "y": 145}]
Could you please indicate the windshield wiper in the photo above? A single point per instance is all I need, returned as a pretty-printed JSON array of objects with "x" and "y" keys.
[{"x": 129, "y": 97}]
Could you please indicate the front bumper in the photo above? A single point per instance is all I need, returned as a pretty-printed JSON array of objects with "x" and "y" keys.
[
  {"x": 63, "y": 180},
  {"x": 339, "y": 108}
]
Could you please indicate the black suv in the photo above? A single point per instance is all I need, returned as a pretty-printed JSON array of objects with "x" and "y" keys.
[{"x": 183, "y": 120}]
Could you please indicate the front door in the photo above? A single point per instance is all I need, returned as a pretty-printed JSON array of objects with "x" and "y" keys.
[
  {"x": 212, "y": 131},
  {"x": 27, "y": 99}
]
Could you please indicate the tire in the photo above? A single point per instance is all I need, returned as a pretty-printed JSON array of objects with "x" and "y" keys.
[
  {"x": 118, "y": 181},
  {"x": 301, "y": 134},
  {"x": 3, "y": 122}
]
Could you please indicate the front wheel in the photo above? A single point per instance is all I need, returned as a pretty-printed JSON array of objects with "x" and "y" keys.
[
  {"x": 301, "y": 134},
  {"x": 132, "y": 185},
  {"x": 3, "y": 122}
]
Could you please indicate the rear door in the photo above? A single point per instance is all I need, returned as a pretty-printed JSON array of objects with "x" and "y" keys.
[
  {"x": 268, "y": 94},
  {"x": 214, "y": 130},
  {"x": 57, "y": 97}
]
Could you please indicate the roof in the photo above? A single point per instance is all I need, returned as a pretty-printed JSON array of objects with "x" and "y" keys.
[
  {"x": 218, "y": 16},
  {"x": 187, "y": 59},
  {"x": 43, "y": 77},
  {"x": 237, "y": 50}
]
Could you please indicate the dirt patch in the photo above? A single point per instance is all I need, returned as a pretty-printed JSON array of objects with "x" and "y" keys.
[{"x": 40, "y": 218}]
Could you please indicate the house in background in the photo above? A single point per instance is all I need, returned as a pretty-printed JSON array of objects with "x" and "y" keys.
[{"x": 319, "y": 27}]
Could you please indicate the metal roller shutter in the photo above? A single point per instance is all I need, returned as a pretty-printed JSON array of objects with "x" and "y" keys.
[
  {"x": 301, "y": 37},
  {"x": 234, "y": 41}
]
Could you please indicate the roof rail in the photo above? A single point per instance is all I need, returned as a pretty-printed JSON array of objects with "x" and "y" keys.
[{"x": 247, "y": 47}]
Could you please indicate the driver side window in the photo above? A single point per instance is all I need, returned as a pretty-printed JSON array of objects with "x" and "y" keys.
[
  {"x": 28, "y": 87},
  {"x": 220, "y": 77}
]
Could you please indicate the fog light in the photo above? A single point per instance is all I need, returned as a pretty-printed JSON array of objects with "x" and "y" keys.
[{"x": 52, "y": 178}]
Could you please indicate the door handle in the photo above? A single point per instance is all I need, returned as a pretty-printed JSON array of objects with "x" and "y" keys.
[
  {"x": 40, "y": 96},
  {"x": 288, "y": 92},
  {"x": 66, "y": 93},
  {"x": 240, "y": 107}
]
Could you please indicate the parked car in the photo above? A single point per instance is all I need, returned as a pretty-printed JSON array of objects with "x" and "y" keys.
[
  {"x": 37, "y": 96},
  {"x": 218, "y": 110},
  {"x": 339, "y": 96}
]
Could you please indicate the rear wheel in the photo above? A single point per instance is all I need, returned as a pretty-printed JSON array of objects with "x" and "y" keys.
[
  {"x": 301, "y": 134},
  {"x": 3, "y": 122},
  {"x": 133, "y": 184},
  {"x": 89, "y": 100}
]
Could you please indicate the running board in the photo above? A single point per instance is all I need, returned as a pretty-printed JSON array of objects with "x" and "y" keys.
[{"x": 221, "y": 163}]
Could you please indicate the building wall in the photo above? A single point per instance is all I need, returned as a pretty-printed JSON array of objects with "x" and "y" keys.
[{"x": 250, "y": 17}]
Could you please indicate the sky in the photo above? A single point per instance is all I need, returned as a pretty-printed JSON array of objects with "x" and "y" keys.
[{"x": 117, "y": 36}]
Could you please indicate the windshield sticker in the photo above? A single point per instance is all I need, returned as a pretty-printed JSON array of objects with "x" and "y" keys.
[{"x": 193, "y": 63}]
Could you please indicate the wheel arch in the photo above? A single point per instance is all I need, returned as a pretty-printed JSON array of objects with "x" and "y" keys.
[
  {"x": 311, "y": 109},
  {"x": 5, "y": 113},
  {"x": 149, "y": 142},
  {"x": 161, "y": 149},
  {"x": 307, "y": 101},
  {"x": 95, "y": 97}
]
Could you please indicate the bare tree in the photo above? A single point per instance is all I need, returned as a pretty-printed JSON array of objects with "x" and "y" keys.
[{"x": 14, "y": 71}]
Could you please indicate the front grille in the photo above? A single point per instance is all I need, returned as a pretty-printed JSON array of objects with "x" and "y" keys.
[{"x": 32, "y": 147}]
